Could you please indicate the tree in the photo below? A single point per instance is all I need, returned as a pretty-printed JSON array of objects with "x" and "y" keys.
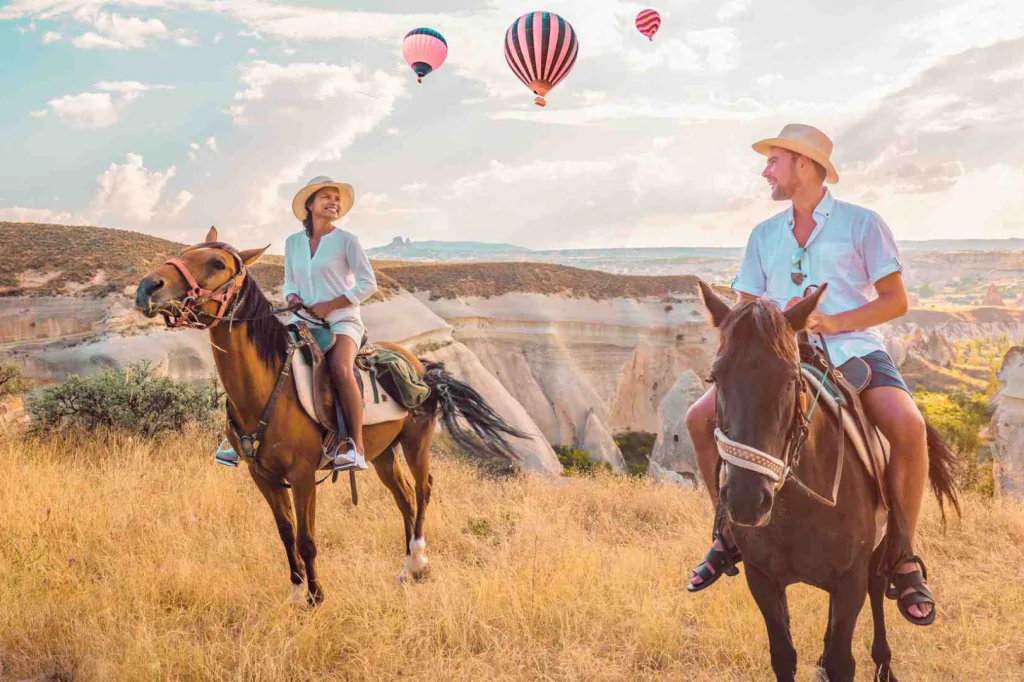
[{"x": 11, "y": 382}]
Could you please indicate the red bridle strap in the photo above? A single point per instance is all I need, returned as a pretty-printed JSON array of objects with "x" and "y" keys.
[{"x": 197, "y": 295}]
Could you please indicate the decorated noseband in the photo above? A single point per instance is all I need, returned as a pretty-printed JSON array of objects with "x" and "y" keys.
[
  {"x": 198, "y": 295},
  {"x": 751, "y": 459}
]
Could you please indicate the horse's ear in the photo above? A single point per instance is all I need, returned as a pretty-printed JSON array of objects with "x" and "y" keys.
[
  {"x": 211, "y": 236},
  {"x": 715, "y": 305},
  {"x": 250, "y": 256},
  {"x": 798, "y": 314}
]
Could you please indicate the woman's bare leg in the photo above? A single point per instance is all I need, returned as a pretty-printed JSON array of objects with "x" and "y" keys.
[{"x": 342, "y": 362}]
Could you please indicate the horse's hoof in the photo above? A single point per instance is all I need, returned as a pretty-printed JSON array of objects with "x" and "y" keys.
[
  {"x": 820, "y": 675},
  {"x": 315, "y": 598},
  {"x": 403, "y": 575},
  {"x": 297, "y": 597}
]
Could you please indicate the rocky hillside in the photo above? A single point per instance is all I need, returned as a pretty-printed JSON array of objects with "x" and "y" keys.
[{"x": 1007, "y": 427}]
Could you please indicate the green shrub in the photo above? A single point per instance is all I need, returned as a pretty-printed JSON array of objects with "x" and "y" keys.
[
  {"x": 576, "y": 462},
  {"x": 959, "y": 418},
  {"x": 11, "y": 382},
  {"x": 636, "y": 447},
  {"x": 133, "y": 399}
]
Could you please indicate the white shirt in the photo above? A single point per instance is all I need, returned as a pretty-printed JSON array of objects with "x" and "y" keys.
[
  {"x": 340, "y": 267},
  {"x": 851, "y": 248}
]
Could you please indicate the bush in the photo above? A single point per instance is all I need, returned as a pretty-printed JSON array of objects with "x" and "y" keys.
[
  {"x": 576, "y": 462},
  {"x": 11, "y": 382},
  {"x": 133, "y": 399},
  {"x": 959, "y": 418},
  {"x": 636, "y": 447}
]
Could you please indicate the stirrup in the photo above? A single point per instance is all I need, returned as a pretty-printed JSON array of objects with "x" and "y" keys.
[
  {"x": 225, "y": 455},
  {"x": 350, "y": 459}
]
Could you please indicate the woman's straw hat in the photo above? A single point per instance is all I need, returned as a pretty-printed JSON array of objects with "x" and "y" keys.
[
  {"x": 348, "y": 195},
  {"x": 804, "y": 140}
]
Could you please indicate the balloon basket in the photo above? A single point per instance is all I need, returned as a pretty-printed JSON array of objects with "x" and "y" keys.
[
  {"x": 419, "y": 79},
  {"x": 540, "y": 102}
]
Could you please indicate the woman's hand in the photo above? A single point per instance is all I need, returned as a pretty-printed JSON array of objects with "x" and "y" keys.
[
  {"x": 321, "y": 310},
  {"x": 294, "y": 302}
]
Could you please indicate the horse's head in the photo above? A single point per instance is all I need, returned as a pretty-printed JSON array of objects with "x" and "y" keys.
[
  {"x": 757, "y": 377},
  {"x": 196, "y": 288}
]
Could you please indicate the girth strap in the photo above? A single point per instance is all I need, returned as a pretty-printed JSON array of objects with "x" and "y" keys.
[{"x": 250, "y": 444}]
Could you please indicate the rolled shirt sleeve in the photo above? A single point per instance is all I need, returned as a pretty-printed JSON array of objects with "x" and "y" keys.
[
  {"x": 289, "y": 275},
  {"x": 878, "y": 249},
  {"x": 751, "y": 278},
  {"x": 366, "y": 280}
]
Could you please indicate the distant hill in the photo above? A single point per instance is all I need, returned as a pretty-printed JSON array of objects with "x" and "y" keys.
[
  {"x": 1013, "y": 244},
  {"x": 404, "y": 249}
]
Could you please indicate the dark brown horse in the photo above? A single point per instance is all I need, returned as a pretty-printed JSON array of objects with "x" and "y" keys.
[
  {"x": 784, "y": 535},
  {"x": 249, "y": 346}
]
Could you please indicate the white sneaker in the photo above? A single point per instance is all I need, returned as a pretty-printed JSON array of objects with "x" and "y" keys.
[{"x": 349, "y": 459}]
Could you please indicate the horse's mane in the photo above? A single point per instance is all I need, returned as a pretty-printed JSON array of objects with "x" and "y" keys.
[
  {"x": 265, "y": 330},
  {"x": 759, "y": 322}
]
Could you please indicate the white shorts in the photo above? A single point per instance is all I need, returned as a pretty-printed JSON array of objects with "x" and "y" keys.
[{"x": 353, "y": 329}]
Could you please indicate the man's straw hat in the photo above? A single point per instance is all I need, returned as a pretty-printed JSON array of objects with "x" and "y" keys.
[
  {"x": 348, "y": 195},
  {"x": 804, "y": 140}
]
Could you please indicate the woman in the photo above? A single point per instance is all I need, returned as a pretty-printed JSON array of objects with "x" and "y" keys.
[{"x": 327, "y": 271}]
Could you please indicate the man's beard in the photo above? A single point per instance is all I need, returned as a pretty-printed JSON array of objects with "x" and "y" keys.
[{"x": 782, "y": 192}]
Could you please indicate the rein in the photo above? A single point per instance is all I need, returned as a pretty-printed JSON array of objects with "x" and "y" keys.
[{"x": 781, "y": 470}]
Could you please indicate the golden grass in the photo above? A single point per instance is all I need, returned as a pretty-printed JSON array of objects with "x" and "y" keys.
[{"x": 145, "y": 561}]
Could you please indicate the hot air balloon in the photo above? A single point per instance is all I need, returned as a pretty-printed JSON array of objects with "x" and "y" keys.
[
  {"x": 648, "y": 22},
  {"x": 424, "y": 50},
  {"x": 541, "y": 48}
]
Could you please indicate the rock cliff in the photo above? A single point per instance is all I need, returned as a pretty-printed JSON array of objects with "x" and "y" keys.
[{"x": 1006, "y": 430}]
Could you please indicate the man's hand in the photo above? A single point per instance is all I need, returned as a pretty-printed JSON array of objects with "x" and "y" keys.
[
  {"x": 820, "y": 323},
  {"x": 294, "y": 302},
  {"x": 321, "y": 310}
]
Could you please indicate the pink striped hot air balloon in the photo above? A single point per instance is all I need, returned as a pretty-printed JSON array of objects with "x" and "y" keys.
[
  {"x": 648, "y": 22},
  {"x": 424, "y": 49},
  {"x": 541, "y": 48}
]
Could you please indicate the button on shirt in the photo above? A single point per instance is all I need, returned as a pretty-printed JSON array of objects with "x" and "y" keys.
[
  {"x": 340, "y": 267},
  {"x": 850, "y": 248}
]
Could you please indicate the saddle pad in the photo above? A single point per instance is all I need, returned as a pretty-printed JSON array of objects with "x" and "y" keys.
[
  {"x": 388, "y": 409},
  {"x": 873, "y": 450}
]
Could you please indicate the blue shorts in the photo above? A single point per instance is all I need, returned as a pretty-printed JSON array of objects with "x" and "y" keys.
[{"x": 883, "y": 372}]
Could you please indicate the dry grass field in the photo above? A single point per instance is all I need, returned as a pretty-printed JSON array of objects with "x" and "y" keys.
[{"x": 138, "y": 560}]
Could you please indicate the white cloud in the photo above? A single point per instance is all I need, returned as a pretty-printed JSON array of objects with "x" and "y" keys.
[
  {"x": 721, "y": 45},
  {"x": 130, "y": 192},
  {"x": 253, "y": 51},
  {"x": 413, "y": 187},
  {"x": 394, "y": 132},
  {"x": 250, "y": 34},
  {"x": 538, "y": 170},
  {"x": 184, "y": 41},
  {"x": 769, "y": 78},
  {"x": 175, "y": 207},
  {"x": 18, "y": 214},
  {"x": 86, "y": 110},
  {"x": 217, "y": 38},
  {"x": 211, "y": 143},
  {"x": 51, "y": 37},
  {"x": 130, "y": 86},
  {"x": 119, "y": 33},
  {"x": 732, "y": 8},
  {"x": 38, "y": 114}
]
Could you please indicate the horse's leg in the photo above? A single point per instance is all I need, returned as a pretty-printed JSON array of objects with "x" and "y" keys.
[
  {"x": 416, "y": 438},
  {"x": 828, "y": 633},
  {"x": 389, "y": 470},
  {"x": 304, "y": 490},
  {"x": 771, "y": 599},
  {"x": 281, "y": 505},
  {"x": 847, "y": 599},
  {"x": 881, "y": 654}
]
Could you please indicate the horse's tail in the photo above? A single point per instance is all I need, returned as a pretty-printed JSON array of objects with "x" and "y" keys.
[
  {"x": 461, "y": 404},
  {"x": 942, "y": 465}
]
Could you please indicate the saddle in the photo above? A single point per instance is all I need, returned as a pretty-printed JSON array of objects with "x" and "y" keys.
[
  {"x": 386, "y": 400},
  {"x": 852, "y": 377}
]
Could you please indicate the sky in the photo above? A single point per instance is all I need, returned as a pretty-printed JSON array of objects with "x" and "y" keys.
[{"x": 168, "y": 116}]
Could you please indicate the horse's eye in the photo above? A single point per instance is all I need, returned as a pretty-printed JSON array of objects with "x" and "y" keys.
[{"x": 217, "y": 264}]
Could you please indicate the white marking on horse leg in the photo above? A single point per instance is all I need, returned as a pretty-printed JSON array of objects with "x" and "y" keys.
[
  {"x": 417, "y": 559},
  {"x": 298, "y": 595}
]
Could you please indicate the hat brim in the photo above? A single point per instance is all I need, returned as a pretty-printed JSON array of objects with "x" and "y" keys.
[
  {"x": 348, "y": 197},
  {"x": 764, "y": 148}
]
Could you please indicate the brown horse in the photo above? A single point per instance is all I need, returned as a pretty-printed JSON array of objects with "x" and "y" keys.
[
  {"x": 249, "y": 346},
  {"x": 786, "y": 536}
]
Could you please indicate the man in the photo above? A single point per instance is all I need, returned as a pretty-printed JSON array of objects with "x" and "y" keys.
[{"x": 819, "y": 239}]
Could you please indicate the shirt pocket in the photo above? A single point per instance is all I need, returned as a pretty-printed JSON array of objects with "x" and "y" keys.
[{"x": 839, "y": 261}]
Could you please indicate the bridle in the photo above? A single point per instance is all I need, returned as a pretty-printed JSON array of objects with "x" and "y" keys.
[
  {"x": 778, "y": 471},
  {"x": 197, "y": 295}
]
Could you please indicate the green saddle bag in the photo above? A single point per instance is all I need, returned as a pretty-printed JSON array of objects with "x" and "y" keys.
[{"x": 395, "y": 374}]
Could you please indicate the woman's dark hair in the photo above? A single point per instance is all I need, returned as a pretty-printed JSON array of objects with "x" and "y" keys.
[{"x": 308, "y": 221}]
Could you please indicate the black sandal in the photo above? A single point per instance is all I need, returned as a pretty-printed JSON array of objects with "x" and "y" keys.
[
  {"x": 920, "y": 594},
  {"x": 722, "y": 562}
]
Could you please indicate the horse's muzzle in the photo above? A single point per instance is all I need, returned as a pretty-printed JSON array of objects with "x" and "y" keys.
[
  {"x": 750, "y": 507},
  {"x": 144, "y": 295}
]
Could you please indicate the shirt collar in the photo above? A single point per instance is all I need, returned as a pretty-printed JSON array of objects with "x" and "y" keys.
[{"x": 823, "y": 209}]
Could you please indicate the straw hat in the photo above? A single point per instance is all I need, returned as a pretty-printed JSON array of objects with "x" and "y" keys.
[
  {"x": 348, "y": 195},
  {"x": 804, "y": 140}
]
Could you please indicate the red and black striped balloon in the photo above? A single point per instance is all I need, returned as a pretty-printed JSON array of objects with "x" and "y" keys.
[
  {"x": 648, "y": 22},
  {"x": 541, "y": 48}
]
